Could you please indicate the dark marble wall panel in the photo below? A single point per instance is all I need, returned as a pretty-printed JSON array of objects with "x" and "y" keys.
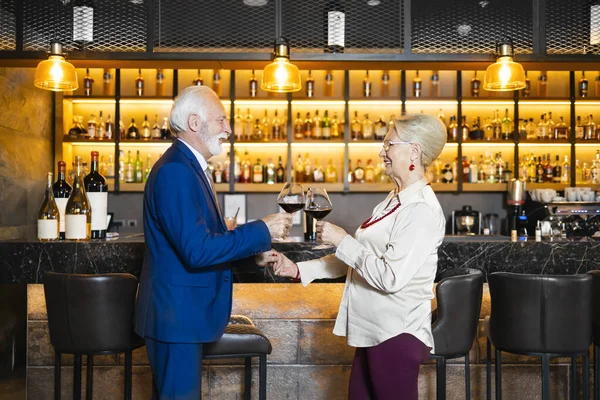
[{"x": 26, "y": 150}]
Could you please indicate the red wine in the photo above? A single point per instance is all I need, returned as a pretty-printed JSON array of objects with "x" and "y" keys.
[
  {"x": 291, "y": 207},
  {"x": 62, "y": 192},
  {"x": 97, "y": 192},
  {"x": 318, "y": 214}
]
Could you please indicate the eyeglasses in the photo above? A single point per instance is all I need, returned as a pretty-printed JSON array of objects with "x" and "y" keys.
[{"x": 389, "y": 143}]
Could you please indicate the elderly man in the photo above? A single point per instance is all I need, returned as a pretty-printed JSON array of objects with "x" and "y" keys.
[{"x": 186, "y": 283}]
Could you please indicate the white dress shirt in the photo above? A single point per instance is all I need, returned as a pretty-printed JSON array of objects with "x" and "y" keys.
[
  {"x": 393, "y": 262},
  {"x": 200, "y": 158}
]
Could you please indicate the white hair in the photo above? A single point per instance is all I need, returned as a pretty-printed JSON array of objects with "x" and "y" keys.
[
  {"x": 191, "y": 100},
  {"x": 425, "y": 129}
]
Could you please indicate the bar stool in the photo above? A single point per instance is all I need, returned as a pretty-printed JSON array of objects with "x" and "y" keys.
[
  {"x": 242, "y": 339},
  {"x": 91, "y": 315},
  {"x": 540, "y": 315},
  {"x": 454, "y": 329},
  {"x": 596, "y": 330}
]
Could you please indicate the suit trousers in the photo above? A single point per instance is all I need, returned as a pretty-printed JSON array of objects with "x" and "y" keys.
[{"x": 176, "y": 370}]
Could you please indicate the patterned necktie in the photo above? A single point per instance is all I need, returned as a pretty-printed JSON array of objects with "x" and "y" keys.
[{"x": 212, "y": 186}]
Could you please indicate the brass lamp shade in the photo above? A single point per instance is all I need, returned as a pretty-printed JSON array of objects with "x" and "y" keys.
[
  {"x": 281, "y": 76},
  {"x": 504, "y": 74},
  {"x": 55, "y": 73}
]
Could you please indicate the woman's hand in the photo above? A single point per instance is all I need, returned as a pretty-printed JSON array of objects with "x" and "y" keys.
[
  {"x": 285, "y": 267},
  {"x": 329, "y": 233},
  {"x": 267, "y": 258}
]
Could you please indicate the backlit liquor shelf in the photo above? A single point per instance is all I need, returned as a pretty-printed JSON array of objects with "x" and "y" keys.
[{"x": 492, "y": 137}]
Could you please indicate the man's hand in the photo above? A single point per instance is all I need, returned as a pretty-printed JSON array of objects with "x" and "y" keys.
[
  {"x": 278, "y": 224},
  {"x": 285, "y": 267},
  {"x": 267, "y": 258},
  {"x": 329, "y": 233}
]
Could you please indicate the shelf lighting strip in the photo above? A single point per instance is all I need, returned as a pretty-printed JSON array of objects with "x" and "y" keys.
[
  {"x": 485, "y": 144},
  {"x": 488, "y": 103},
  {"x": 597, "y": 145},
  {"x": 545, "y": 144},
  {"x": 428, "y": 103},
  {"x": 339, "y": 103},
  {"x": 378, "y": 103},
  {"x": 252, "y": 103},
  {"x": 312, "y": 144},
  {"x": 91, "y": 144}
]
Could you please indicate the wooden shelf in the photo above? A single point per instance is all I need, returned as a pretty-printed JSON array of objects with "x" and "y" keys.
[
  {"x": 488, "y": 142},
  {"x": 90, "y": 98},
  {"x": 542, "y": 142},
  {"x": 549, "y": 185},
  {"x": 132, "y": 142},
  {"x": 484, "y": 187},
  {"x": 444, "y": 187},
  {"x": 69, "y": 139},
  {"x": 371, "y": 187},
  {"x": 276, "y": 188},
  {"x": 158, "y": 98},
  {"x": 132, "y": 187}
]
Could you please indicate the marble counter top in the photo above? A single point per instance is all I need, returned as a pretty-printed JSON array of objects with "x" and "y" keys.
[{"x": 24, "y": 261}]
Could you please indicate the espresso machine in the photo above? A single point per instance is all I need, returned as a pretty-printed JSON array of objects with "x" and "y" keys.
[
  {"x": 466, "y": 221},
  {"x": 516, "y": 218}
]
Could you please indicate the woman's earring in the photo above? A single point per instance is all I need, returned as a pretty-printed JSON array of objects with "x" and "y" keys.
[{"x": 411, "y": 167}]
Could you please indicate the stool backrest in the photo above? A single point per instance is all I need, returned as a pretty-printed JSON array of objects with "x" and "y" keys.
[
  {"x": 458, "y": 295},
  {"x": 541, "y": 313},
  {"x": 596, "y": 305},
  {"x": 90, "y": 313}
]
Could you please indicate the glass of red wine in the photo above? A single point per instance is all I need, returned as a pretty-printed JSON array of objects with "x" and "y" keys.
[
  {"x": 291, "y": 197},
  {"x": 318, "y": 205}
]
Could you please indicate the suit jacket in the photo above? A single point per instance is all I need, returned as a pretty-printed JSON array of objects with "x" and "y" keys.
[{"x": 186, "y": 281}]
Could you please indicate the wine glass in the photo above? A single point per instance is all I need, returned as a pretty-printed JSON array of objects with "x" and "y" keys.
[
  {"x": 291, "y": 197},
  {"x": 318, "y": 205}
]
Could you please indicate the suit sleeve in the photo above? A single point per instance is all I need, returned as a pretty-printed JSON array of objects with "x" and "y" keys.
[{"x": 178, "y": 206}]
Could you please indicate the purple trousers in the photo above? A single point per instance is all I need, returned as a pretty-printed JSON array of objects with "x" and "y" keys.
[{"x": 388, "y": 371}]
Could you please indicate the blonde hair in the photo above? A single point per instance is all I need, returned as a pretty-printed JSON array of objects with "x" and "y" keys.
[
  {"x": 425, "y": 129},
  {"x": 191, "y": 100}
]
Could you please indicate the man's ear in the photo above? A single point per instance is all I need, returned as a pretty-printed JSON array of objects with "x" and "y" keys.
[{"x": 193, "y": 122}]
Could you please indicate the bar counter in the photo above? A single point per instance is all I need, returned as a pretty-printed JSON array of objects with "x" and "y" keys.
[{"x": 26, "y": 261}]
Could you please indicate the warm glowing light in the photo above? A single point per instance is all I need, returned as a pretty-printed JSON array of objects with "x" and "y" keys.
[
  {"x": 55, "y": 73},
  {"x": 504, "y": 74},
  {"x": 281, "y": 76}
]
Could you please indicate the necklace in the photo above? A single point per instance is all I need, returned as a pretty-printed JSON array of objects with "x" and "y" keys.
[{"x": 372, "y": 221}]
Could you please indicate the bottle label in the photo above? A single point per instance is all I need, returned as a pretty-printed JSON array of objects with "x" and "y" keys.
[
  {"x": 99, "y": 204},
  {"x": 326, "y": 133},
  {"x": 336, "y": 26},
  {"x": 76, "y": 226},
  {"x": 62, "y": 206},
  {"x": 47, "y": 229}
]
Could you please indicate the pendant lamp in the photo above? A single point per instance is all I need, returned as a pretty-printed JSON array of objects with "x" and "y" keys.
[
  {"x": 56, "y": 73},
  {"x": 281, "y": 76},
  {"x": 504, "y": 74}
]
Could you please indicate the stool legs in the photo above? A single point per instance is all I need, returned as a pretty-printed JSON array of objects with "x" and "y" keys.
[
  {"x": 440, "y": 370},
  {"x": 57, "y": 375},
  {"x": 586, "y": 376},
  {"x": 468, "y": 376},
  {"x": 77, "y": 377},
  {"x": 545, "y": 377},
  {"x": 498, "y": 375},
  {"x": 89, "y": 381},
  {"x": 262, "y": 378},
  {"x": 247, "y": 378},
  {"x": 596, "y": 372},
  {"x": 488, "y": 370},
  {"x": 128, "y": 373}
]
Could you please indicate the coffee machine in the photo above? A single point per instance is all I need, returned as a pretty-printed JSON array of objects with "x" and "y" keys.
[
  {"x": 466, "y": 221},
  {"x": 516, "y": 218}
]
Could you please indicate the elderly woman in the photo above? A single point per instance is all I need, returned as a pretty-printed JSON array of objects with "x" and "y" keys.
[{"x": 390, "y": 265}]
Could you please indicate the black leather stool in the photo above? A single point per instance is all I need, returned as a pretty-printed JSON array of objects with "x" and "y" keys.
[
  {"x": 540, "y": 315},
  {"x": 242, "y": 339},
  {"x": 596, "y": 330},
  {"x": 454, "y": 329},
  {"x": 91, "y": 315}
]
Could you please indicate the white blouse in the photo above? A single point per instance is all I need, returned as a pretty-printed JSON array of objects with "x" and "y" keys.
[{"x": 393, "y": 261}]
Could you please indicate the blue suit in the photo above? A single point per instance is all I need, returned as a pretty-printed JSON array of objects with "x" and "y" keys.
[{"x": 186, "y": 281}]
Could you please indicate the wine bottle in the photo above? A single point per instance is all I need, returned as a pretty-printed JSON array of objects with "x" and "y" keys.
[
  {"x": 198, "y": 81},
  {"x": 310, "y": 228},
  {"x": 583, "y": 85},
  {"x": 253, "y": 85},
  {"x": 310, "y": 85},
  {"x": 139, "y": 84},
  {"x": 87, "y": 83},
  {"x": 435, "y": 84},
  {"x": 161, "y": 85},
  {"x": 138, "y": 171},
  {"x": 417, "y": 86},
  {"x": 475, "y": 85},
  {"x": 156, "y": 129},
  {"x": 329, "y": 88},
  {"x": 385, "y": 84},
  {"x": 216, "y": 84},
  {"x": 107, "y": 78},
  {"x": 48, "y": 224},
  {"x": 132, "y": 131},
  {"x": 367, "y": 85},
  {"x": 146, "y": 128},
  {"x": 78, "y": 213},
  {"x": 97, "y": 192},
  {"x": 527, "y": 89},
  {"x": 334, "y": 24},
  {"x": 62, "y": 191}
]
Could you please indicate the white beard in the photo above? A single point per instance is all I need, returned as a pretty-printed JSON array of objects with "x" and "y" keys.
[{"x": 214, "y": 146}]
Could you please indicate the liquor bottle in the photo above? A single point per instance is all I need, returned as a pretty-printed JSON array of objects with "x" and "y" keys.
[
  {"x": 270, "y": 172},
  {"x": 385, "y": 84},
  {"x": 298, "y": 170},
  {"x": 198, "y": 81},
  {"x": 369, "y": 172},
  {"x": 464, "y": 129},
  {"x": 380, "y": 129},
  {"x": 317, "y": 128},
  {"x": 542, "y": 84},
  {"x": 356, "y": 128},
  {"x": 308, "y": 126},
  {"x": 466, "y": 170},
  {"x": 78, "y": 213},
  {"x": 566, "y": 170},
  {"x": 248, "y": 126},
  {"x": 473, "y": 171},
  {"x": 266, "y": 127},
  {"x": 246, "y": 175},
  {"x": 218, "y": 175},
  {"x": 507, "y": 127},
  {"x": 542, "y": 128},
  {"x": 298, "y": 128},
  {"x": 531, "y": 130},
  {"x": 48, "y": 220},
  {"x": 107, "y": 83},
  {"x": 331, "y": 172},
  {"x": 335, "y": 127},
  {"x": 417, "y": 85},
  {"x": 561, "y": 130},
  {"x": 589, "y": 128},
  {"x": 526, "y": 91},
  {"x": 557, "y": 171},
  {"x": 359, "y": 173},
  {"x": 308, "y": 169},
  {"x": 539, "y": 171},
  {"x": 146, "y": 133},
  {"x": 453, "y": 130},
  {"x": 350, "y": 172},
  {"x": 165, "y": 132},
  {"x": 329, "y": 84},
  {"x": 238, "y": 125},
  {"x": 122, "y": 166},
  {"x": 61, "y": 191},
  {"x": 129, "y": 173},
  {"x": 253, "y": 85},
  {"x": 367, "y": 128},
  {"x": 139, "y": 84},
  {"x": 475, "y": 85},
  {"x": 447, "y": 176},
  {"x": 317, "y": 173},
  {"x": 521, "y": 131},
  {"x": 497, "y": 126},
  {"x": 583, "y": 85},
  {"x": 435, "y": 84},
  {"x": 161, "y": 84},
  {"x": 216, "y": 83},
  {"x": 132, "y": 131},
  {"x": 87, "y": 83},
  {"x": 82, "y": 130},
  {"x": 488, "y": 130},
  {"x": 367, "y": 85},
  {"x": 579, "y": 129},
  {"x": 476, "y": 132},
  {"x": 97, "y": 192},
  {"x": 156, "y": 129},
  {"x": 551, "y": 125},
  {"x": 149, "y": 168},
  {"x": 100, "y": 127},
  {"x": 326, "y": 126},
  {"x": 334, "y": 24},
  {"x": 276, "y": 128},
  {"x": 110, "y": 168},
  {"x": 310, "y": 85},
  {"x": 74, "y": 131},
  {"x": 280, "y": 171},
  {"x": 91, "y": 127},
  {"x": 257, "y": 172},
  {"x": 257, "y": 132},
  {"x": 138, "y": 169},
  {"x": 121, "y": 130},
  {"x": 549, "y": 168}
]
